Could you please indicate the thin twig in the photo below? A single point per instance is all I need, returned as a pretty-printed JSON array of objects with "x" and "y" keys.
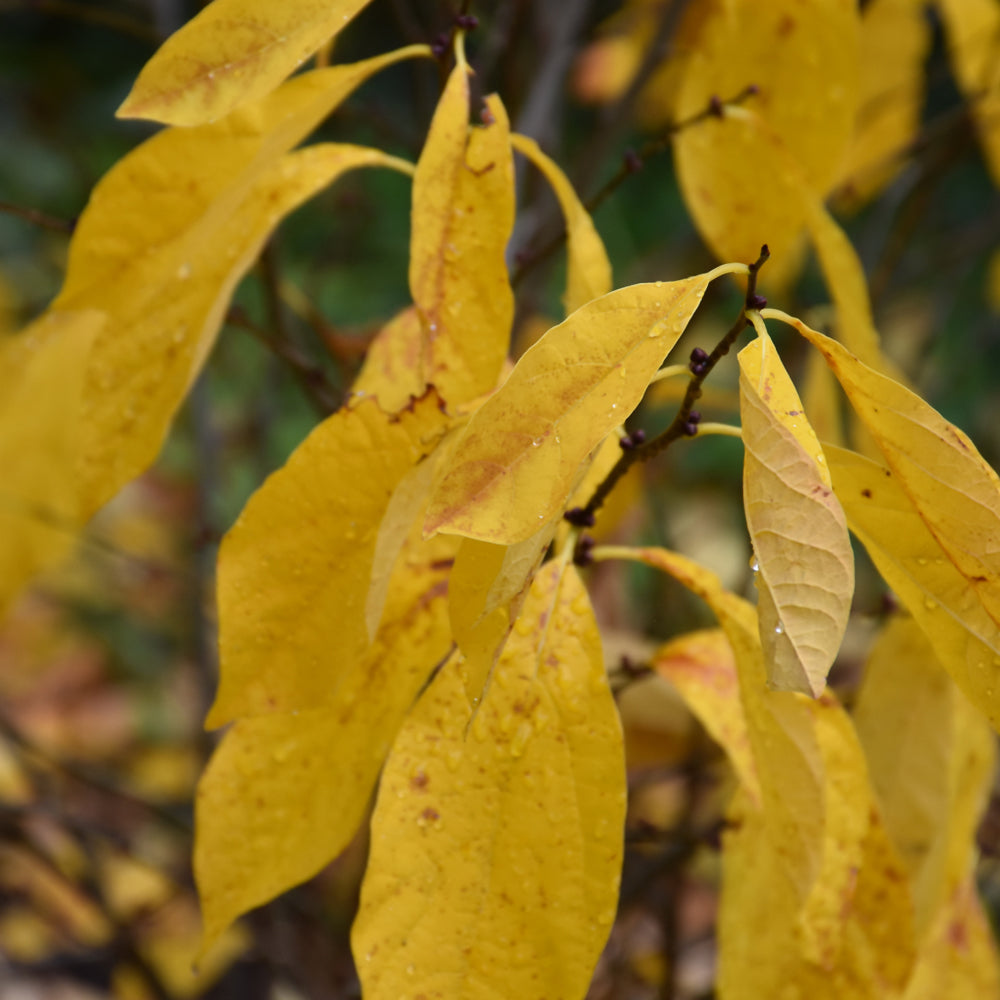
[
  {"x": 631, "y": 163},
  {"x": 684, "y": 424},
  {"x": 41, "y": 219}
]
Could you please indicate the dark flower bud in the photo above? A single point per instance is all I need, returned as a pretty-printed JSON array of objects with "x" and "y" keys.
[{"x": 580, "y": 517}]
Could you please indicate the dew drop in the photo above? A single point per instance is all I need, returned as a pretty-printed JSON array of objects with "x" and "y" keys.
[
  {"x": 410, "y": 969},
  {"x": 921, "y": 561},
  {"x": 432, "y": 327},
  {"x": 779, "y": 629},
  {"x": 754, "y": 564},
  {"x": 184, "y": 271},
  {"x": 536, "y": 442},
  {"x": 930, "y": 604}
]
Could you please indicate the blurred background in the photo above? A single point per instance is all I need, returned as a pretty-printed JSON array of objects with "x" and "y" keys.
[{"x": 107, "y": 665}]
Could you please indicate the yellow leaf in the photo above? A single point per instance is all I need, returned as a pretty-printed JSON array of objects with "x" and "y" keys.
[
  {"x": 496, "y": 853},
  {"x": 842, "y": 269},
  {"x": 520, "y": 456},
  {"x": 702, "y": 667},
  {"x": 895, "y": 40},
  {"x": 822, "y": 399},
  {"x": 588, "y": 268},
  {"x": 233, "y": 52},
  {"x": 730, "y": 189},
  {"x": 153, "y": 345},
  {"x": 41, "y": 374},
  {"x": 958, "y": 958},
  {"x": 931, "y": 757},
  {"x": 463, "y": 213},
  {"x": 393, "y": 371},
  {"x": 883, "y": 517},
  {"x": 953, "y": 489},
  {"x": 486, "y": 589},
  {"x": 314, "y": 526},
  {"x": 972, "y": 28},
  {"x": 805, "y": 564},
  {"x": 284, "y": 792},
  {"x": 815, "y": 857}
]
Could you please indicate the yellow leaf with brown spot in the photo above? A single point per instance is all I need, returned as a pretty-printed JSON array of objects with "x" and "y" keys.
[
  {"x": 233, "y": 52},
  {"x": 895, "y": 39},
  {"x": 702, "y": 667},
  {"x": 911, "y": 560},
  {"x": 153, "y": 345},
  {"x": 284, "y": 792},
  {"x": 733, "y": 195},
  {"x": 41, "y": 382},
  {"x": 314, "y": 525},
  {"x": 393, "y": 371},
  {"x": 588, "y": 270},
  {"x": 805, "y": 564},
  {"x": 497, "y": 851},
  {"x": 463, "y": 214},
  {"x": 813, "y": 868},
  {"x": 953, "y": 489},
  {"x": 520, "y": 456},
  {"x": 958, "y": 957}
]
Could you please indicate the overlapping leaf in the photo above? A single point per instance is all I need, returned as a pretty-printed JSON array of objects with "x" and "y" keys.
[
  {"x": 233, "y": 52},
  {"x": 805, "y": 564},
  {"x": 702, "y": 667},
  {"x": 973, "y": 33},
  {"x": 954, "y": 490},
  {"x": 164, "y": 240},
  {"x": 911, "y": 560},
  {"x": 394, "y": 368},
  {"x": 487, "y": 587},
  {"x": 895, "y": 39},
  {"x": 812, "y": 871},
  {"x": 588, "y": 270},
  {"x": 463, "y": 213},
  {"x": 314, "y": 525},
  {"x": 137, "y": 381},
  {"x": 520, "y": 456},
  {"x": 285, "y": 792},
  {"x": 802, "y": 56},
  {"x": 496, "y": 853},
  {"x": 931, "y": 757}
]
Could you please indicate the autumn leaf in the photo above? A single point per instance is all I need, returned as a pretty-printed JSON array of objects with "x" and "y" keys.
[
  {"x": 497, "y": 852},
  {"x": 166, "y": 236},
  {"x": 954, "y": 490},
  {"x": 894, "y": 42},
  {"x": 732, "y": 193},
  {"x": 232, "y": 53},
  {"x": 520, "y": 456},
  {"x": 317, "y": 520},
  {"x": 40, "y": 381},
  {"x": 129, "y": 400},
  {"x": 912, "y": 562},
  {"x": 487, "y": 586},
  {"x": 972, "y": 29},
  {"x": 394, "y": 367},
  {"x": 463, "y": 213},
  {"x": 931, "y": 756},
  {"x": 805, "y": 566},
  {"x": 813, "y": 868},
  {"x": 285, "y": 792},
  {"x": 588, "y": 268},
  {"x": 701, "y": 666}
]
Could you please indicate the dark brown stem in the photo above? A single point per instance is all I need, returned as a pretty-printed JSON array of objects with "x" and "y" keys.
[
  {"x": 681, "y": 425},
  {"x": 36, "y": 218}
]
